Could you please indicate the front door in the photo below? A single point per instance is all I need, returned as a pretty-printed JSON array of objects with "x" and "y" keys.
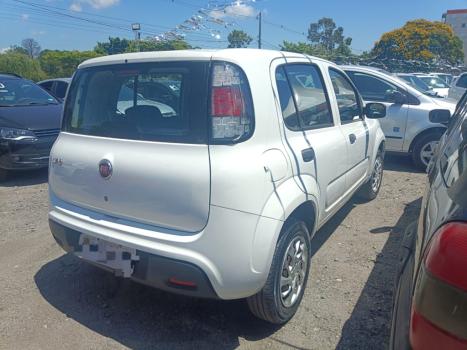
[
  {"x": 376, "y": 89},
  {"x": 353, "y": 128}
]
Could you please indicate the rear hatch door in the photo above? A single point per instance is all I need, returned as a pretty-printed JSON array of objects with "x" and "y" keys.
[{"x": 134, "y": 144}]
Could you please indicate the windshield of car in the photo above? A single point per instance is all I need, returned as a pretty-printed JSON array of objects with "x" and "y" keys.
[
  {"x": 20, "y": 92},
  {"x": 435, "y": 82},
  {"x": 150, "y": 102}
]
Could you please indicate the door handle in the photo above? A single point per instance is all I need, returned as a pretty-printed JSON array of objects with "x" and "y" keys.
[
  {"x": 308, "y": 154},
  {"x": 352, "y": 138}
]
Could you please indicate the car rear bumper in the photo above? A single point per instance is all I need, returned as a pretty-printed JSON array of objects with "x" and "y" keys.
[
  {"x": 155, "y": 271},
  {"x": 21, "y": 155},
  {"x": 233, "y": 252}
]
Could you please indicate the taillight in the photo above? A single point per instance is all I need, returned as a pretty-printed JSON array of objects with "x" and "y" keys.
[
  {"x": 231, "y": 104},
  {"x": 447, "y": 255},
  {"x": 439, "y": 310}
]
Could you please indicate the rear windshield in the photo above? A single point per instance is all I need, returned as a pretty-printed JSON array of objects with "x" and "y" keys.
[{"x": 145, "y": 101}]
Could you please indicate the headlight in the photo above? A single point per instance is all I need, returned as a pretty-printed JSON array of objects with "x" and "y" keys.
[{"x": 17, "y": 134}]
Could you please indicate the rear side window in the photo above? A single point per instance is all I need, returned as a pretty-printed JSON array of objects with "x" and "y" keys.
[
  {"x": 308, "y": 96},
  {"x": 372, "y": 88},
  {"x": 60, "y": 89},
  {"x": 462, "y": 82},
  {"x": 147, "y": 101}
]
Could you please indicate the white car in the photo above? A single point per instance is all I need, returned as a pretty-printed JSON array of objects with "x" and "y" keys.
[
  {"x": 220, "y": 199},
  {"x": 458, "y": 87},
  {"x": 408, "y": 127},
  {"x": 437, "y": 84}
]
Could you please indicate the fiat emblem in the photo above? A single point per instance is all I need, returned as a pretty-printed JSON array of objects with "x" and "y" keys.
[{"x": 105, "y": 168}]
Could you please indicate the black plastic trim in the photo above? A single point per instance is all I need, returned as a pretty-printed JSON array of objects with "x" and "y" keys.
[{"x": 152, "y": 270}]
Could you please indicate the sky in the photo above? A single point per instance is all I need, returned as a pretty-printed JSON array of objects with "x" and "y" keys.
[{"x": 79, "y": 24}]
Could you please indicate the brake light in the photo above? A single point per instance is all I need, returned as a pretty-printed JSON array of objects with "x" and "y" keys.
[
  {"x": 447, "y": 255},
  {"x": 231, "y": 104},
  {"x": 439, "y": 309}
]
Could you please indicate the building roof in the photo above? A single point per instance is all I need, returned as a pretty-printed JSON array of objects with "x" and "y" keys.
[{"x": 456, "y": 12}]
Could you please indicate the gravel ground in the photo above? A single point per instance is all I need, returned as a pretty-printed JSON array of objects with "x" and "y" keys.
[{"x": 49, "y": 300}]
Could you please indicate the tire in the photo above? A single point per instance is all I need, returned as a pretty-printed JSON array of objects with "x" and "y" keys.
[
  {"x": 424, "y": 146},
  {"x": 269, "y": 303},
  {"x": 3, "y": 175},
  {"x": 370, "y": 189}
]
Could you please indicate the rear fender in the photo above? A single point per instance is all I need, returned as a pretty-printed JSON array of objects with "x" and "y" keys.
[{"x": 287, "y": 197}]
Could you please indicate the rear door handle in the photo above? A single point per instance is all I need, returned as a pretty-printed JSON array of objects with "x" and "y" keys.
[
  {"x": 352, "y": 138},
  {"x": 308, "y": 154}
]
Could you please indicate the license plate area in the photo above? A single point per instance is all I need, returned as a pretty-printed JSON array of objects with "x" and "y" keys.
[{"x": 114, "y": 256}]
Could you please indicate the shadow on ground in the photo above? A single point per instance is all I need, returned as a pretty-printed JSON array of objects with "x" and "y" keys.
[
  {"x": 400, "y": 163},
  {"x": 369, "y": 322},
  {"x": 25, "y": 178}
]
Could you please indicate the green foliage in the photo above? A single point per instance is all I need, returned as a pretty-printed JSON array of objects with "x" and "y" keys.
[
  {"x": 118, "y": 45},
  {"x": 326, "y": 34},
  {"x": 420, "y": 40},
  {"x": 306, "y": 48},
  {"x": 150, "y": 45},
  {"x": 21, "y": 64},
  {"x": 59, "y": 64},
  {"x": 239, "y": 38},
  {"x": 113, "y": 46}
]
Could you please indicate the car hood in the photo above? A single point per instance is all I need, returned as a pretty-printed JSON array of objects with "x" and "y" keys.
[{"x": 32, "y": 117}]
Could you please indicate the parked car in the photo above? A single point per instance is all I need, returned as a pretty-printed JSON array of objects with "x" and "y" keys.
[
  {"x": 221, "y": 199},
  {"x": 430, "y": 307},
  {"x": 29, "y": 124},
  {"x": 458, "y": 87},
  {"x": 446, "y": 77},
  {"x": 414, "y": 81},
  {"x": 438, "y": 85},
  {"x": 407, "y": 126},
  {"x": 58, "y": 87}
]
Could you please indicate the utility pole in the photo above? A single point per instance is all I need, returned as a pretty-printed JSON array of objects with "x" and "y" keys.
[{"x": 259, "y": 30}]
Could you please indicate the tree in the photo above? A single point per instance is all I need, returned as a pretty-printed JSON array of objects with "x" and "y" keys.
[
  {"x": 420, "y": 40},
  {"x": 17, "y": 63},
  {"x": 113, "y": 46},
  {"x": 152, "y": 45},
  {"x": 32, "y": 47},
  {"x": 325, "y": 33},
  {"x": 239, "y": 38},
  {"x": 59, "y": 64},
  {"x": 305, "y": 48}
]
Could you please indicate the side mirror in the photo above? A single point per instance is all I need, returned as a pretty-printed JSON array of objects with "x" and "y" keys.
[
  {"x": 440, "y": 116},
  {"x": 396, "y": 97},
  {"x": 375, "y": 110}
]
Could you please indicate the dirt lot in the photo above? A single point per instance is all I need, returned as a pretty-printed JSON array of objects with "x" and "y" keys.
[{"x": 49, "y": 300}]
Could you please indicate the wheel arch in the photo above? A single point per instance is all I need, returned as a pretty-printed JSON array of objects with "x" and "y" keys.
[{"x": 423, "y": 133}]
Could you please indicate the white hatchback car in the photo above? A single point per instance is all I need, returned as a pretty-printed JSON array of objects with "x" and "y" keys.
[{"x": 220, "y": 198}]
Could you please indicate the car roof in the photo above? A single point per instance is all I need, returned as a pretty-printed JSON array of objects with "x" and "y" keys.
[
  {"x": 10, "y": 76},
  {"x": 66, "y": 80},
  {"x": 240, "y": 55}
]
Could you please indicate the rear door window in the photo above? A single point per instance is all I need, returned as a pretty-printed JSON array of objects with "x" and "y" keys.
[
  {"x": 60, "y": 89},
  {"x": 462, "y": 82},
  {"x": 347, "y": 98},
  {"x": 372, "y": 88},
  {"x": 148, "y": 101}
]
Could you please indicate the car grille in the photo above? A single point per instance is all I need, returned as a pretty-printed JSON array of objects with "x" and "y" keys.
[{"x": 47, "y": 133}]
